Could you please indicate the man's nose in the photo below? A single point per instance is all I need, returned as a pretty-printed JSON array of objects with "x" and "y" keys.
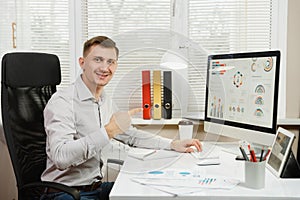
[{"x": 104, "y": 65}]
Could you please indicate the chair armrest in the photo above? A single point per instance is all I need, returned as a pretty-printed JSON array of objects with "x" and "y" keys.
[
  {"x": 115, "y": 161},
  {"x": 72, "y": 191}
]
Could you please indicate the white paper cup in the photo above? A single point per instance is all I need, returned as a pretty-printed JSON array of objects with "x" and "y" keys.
[
  {"x": 185, "y": 128},
  {"x": 255, "y": 174}
]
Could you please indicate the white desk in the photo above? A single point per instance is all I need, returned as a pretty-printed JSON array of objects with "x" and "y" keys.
[{"x": 126, "y": 189}]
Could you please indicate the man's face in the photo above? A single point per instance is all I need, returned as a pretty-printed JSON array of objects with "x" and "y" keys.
[{"x": 98, "y": 66}]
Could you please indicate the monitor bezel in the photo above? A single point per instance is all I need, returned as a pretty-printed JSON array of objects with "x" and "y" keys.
[{"x": 272, "y": 53}]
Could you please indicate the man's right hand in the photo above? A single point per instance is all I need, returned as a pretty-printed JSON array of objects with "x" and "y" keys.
[{"x": 120, "y": 122}]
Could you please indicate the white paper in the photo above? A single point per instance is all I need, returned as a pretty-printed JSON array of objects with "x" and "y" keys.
[
  {"x": 140, "y": 153},
  {"x": 208, "y": 161},
  {"x": 151, "y": 154},
  {"x": 188, "y": 181},
  {"x": 205, "y": 182}
]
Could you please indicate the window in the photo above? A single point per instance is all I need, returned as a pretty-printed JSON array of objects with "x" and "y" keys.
[
  {"x": 7, "y": 26},
  {"x": 37, "y": 25},
  {"x": 141, "y": 30},
  {"x": 147, "y": 30},
  {"x": 148, "y": 33},
  {"x": 222, "y": 27}
]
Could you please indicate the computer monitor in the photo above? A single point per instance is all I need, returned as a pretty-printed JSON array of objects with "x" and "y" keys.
[{"x": 242, "y": 96}]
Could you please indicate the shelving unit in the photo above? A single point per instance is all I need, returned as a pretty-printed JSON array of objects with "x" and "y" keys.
[
  {"x": 173, "y": 121},
  {"x": 289, "y": 121}
]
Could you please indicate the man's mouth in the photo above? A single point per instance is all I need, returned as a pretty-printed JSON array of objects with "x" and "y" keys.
[{"x": 102, "y": 74}]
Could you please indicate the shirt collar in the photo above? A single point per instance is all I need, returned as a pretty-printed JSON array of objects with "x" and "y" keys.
[{"x": 83, "y": 91}]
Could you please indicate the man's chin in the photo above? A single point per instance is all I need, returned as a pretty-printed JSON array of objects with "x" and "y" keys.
[{"x": 102, "y": 82}]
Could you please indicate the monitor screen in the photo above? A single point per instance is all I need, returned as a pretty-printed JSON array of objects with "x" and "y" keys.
[{"x": 242, "y": 95}]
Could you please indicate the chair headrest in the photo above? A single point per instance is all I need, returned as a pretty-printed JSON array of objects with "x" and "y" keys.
[{"x": 27, "y": 69}]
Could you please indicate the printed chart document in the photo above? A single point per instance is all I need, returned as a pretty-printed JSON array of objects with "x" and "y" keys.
[
  {"x": 151, "y": 154},
  {"x": 178, "y": 182}
]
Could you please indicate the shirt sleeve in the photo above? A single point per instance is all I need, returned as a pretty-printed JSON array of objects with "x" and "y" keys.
[
  {"x": 64, "y": 146},
  {"x": 139, "y": 138}
]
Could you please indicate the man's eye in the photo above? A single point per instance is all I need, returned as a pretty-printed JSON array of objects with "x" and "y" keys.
[
  {"x": 97, "y": 59},
  {"x": 111, "y": 62}
]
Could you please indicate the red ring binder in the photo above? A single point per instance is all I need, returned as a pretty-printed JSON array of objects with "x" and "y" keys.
[{"x": 146, "y": 94}]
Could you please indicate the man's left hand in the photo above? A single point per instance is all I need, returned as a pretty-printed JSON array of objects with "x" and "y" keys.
[{"x": 185, "y": 145}]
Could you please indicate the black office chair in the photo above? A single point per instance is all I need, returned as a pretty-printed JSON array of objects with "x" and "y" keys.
[{"x": 28, "y": 81}]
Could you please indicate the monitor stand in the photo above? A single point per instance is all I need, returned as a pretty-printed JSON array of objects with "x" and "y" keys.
[{"x": 291, "y": 168}]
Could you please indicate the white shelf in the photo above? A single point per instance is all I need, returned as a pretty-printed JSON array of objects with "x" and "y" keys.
[
  {"x": 173, "y": 121},
  {"x": 289, "y": 121}
]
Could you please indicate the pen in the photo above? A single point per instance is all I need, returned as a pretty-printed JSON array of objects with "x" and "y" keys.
[
  {"x": 253, "y": 155},
  {"x": 249, "y": 152},
  {"x": 268, "y": 152},
  {"x": 244, "y": 154},
  {"x": 261, "y": 155}
]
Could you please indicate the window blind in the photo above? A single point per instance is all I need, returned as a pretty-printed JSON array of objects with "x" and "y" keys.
[
  {"x": 49, "y": 23},
  {"x": 142, "y": 32},
  {"x": 40, "y": 26},
  {"x": 222, "y": 27},
  {"x": 7, "y": 20}
]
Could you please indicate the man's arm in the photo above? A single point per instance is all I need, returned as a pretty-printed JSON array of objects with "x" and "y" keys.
[{"x": 120, "y": 128}]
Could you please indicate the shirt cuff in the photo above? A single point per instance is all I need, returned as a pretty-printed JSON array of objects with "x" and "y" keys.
[{"x": 164, "y": 143}]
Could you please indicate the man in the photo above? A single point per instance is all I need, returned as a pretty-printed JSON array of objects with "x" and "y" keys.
[{"x": 81, "y": 119}]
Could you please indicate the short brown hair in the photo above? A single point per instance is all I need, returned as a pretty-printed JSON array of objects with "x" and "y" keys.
[{"x": 99, "y": 40}]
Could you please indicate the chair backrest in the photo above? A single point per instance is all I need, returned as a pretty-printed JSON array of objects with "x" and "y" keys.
[{"x": 28, "y": 81}]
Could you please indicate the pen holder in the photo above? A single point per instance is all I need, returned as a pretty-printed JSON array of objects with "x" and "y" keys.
[{"x": 255, "y": 174}]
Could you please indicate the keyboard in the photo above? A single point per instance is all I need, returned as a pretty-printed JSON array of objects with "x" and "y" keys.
[{"x": 208, "y": 151}]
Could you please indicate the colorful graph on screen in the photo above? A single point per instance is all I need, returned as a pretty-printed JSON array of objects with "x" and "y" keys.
[
  {"x": 259, "y": 100},
  {"x": 268, "y": 65},
  {"x": 260, "y": 89},
  {"x": 259, "y": 112}
]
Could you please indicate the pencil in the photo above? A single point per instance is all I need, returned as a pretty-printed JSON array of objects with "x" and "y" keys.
[
  {"x": 268, "y": 152},
  {"x": 249, "y": 152},
  {"x": 253, "y": 155},
  {"x": 261, "y": 155},
  {"x": 244, "y": 153}
]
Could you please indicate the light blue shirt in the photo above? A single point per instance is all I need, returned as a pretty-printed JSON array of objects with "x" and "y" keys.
[{"x": 76, "y": 135}]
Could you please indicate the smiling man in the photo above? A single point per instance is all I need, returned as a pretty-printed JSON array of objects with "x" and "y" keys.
[{"x": 80, "y": 121}]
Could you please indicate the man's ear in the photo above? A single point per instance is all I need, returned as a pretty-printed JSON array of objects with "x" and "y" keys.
[{"x": 81, "y": 61}]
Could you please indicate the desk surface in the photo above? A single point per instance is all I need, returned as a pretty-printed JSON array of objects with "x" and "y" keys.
[{"x": 126, "y": 189}]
